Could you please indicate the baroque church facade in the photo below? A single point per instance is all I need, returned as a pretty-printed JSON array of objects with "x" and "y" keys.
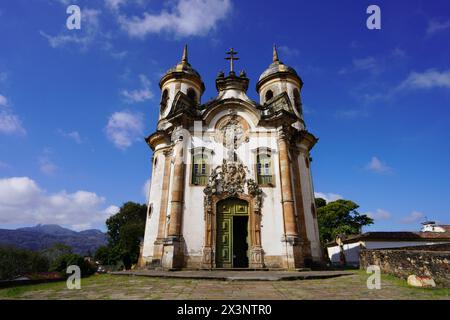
[{"x": 231, "y": 182}]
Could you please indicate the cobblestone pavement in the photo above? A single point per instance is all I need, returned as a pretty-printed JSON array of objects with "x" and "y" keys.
[{"x": 137, "y": 287}]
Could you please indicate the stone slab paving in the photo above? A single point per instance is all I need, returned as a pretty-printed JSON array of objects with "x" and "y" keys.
[
  {"x": 237, "y": 275},
  {"x": 346, "y": 287}
]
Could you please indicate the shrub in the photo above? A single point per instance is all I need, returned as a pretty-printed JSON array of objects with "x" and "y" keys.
[
  {"x": 15, "y": 262},
  {"x": 62, "y": 262}
]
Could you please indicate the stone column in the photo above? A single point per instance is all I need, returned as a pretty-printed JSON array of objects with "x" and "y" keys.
[
  {"x": 174, "y": 244},
  {"x": 158, "y": 249},
  {"x": 291, "y": 238},
  {"x": 207, "y": 250},
  {"x": 305, "y": 244},
  {"x": 256, "y": 251}
]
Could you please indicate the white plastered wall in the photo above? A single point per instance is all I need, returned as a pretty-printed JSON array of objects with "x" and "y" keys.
[{"x": 312, "y": 228}]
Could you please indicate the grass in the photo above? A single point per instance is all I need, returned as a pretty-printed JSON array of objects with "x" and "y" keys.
[
  {"x": 16, "y": 292},
  {"x": 402, "y": 283}
]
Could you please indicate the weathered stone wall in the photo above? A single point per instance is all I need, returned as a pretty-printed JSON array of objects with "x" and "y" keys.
[{"x": 403, "y": 262}]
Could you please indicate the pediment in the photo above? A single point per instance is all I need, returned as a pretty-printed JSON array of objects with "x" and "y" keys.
[
  {"x": 182, "y": 104},
  {"x": 231, "y": 105}
]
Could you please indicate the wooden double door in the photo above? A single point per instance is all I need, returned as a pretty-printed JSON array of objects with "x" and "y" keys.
[{"x": 232, "y": 241}]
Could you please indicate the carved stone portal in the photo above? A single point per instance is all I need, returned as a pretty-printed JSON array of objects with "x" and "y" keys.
[{"x": 229, "y": 180}]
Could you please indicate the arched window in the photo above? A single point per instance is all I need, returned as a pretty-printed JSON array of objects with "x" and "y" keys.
[
  {"x": 192, "y": 95},
  {"x": 200, "y": 168},
  {"x": 269, "y": 95},
  {"x": 164, "y": 99},
  {"x": 150, "y": 210},
  {"x": 297, "y": 101},
  {"x": 264, "y": 169}
]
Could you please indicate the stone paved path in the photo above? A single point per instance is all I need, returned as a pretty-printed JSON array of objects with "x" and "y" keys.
[
  {"x": 136, "y": 287},
  {"x": 237, "y": 275}
]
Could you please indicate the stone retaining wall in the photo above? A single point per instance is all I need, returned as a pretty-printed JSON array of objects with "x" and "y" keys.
[{"x": 403, "y": 262}]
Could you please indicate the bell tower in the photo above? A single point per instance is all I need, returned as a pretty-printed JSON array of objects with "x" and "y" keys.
[
  {"x": 280, "y": 79},
  {"x": 181, "y": 78}
]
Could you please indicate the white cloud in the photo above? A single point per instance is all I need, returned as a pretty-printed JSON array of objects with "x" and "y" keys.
[
  {"x": 119, "y": 55},
  {"x": 124, "y": 128},
  {"x": 139, "y": 95},
  {"x": 398, "y": 53},
  {"x": 375, "y": 165},
  {"x": 114, "y": 4},
  {"x": 328, "y": 197},
  {"x": 428, "y": 79},
  {"x": 10, "y": 123},
  {"x": 366, "y": 64},
  {"x": 3, "y": 101},
  {"x": 435, "y": 26},
  {"x": 73, "y": 135},
  {"x": 361, "y": 112},
  {"x": 22, "y": 201},
  {"x": 90, "y": 31},
  {"x": 379, "y": 214},
  {"x": 413, "y": 217},
  {"x": 183, "y": 18},
  {"x": 46, "y": 165},
  {"x": 64, "y": 2}
]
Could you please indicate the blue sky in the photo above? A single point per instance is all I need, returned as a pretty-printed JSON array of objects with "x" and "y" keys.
[{"x": 75, "y": 105}]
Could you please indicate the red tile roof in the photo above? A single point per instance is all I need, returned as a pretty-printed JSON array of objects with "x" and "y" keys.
[{"x": 398, "y": 236}]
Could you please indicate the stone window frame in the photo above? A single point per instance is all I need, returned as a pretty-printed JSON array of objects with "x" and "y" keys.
[
  {"x": 164, "y": 99},
  {"x": 297, "y": 100},
  {"x": 270, "y": 153},
  {"x": 205, "y": 153},
  {"x": 268, "y": 95},
  {"x": 192, "y": 94}
]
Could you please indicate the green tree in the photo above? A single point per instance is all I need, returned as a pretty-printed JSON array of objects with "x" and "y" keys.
[
  {"x": 55, "y": 251},
  {"x": 320, "y": 202},
  {"x": 339, "y": 217},
  {"x": 125, "y": 231},
  {"x": 62, "y": 262},
  {"x": 16, "y": 262},
  {"x": 103, "y": 255}
]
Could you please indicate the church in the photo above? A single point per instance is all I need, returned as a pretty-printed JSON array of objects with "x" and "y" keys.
[{"x": 231, "y": 182}]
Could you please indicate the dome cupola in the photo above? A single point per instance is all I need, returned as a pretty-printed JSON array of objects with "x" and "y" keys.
[
  {"x": 277, "y": 69},
  {"x": 183, "y": 70},
  {"x": 280, "y": 79},
  {"x": 181, "y": 78}
]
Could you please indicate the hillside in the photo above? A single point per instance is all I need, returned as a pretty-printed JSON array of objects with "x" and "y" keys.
[{"x": 44, "y": 236}]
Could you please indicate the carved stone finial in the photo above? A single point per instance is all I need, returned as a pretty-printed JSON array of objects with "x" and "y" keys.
[
  {"x": 275, "y": 54},
  {"x": 185, "y": 54}
]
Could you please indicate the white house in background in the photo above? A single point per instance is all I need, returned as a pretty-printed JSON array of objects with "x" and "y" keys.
[{"x": 350, "y": 246}]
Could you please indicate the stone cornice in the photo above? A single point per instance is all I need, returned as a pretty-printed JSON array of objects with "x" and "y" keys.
[
  {"x": 180, "y": 76},
  {"x": 305, "y": 138},
  {"x": 157, "y": 138},
  {"x": 279, "y": 75},
  {"x": 232, "y": 82}
]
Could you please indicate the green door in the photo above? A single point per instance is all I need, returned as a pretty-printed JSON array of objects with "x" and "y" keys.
[{"x": 226, "y": 210}]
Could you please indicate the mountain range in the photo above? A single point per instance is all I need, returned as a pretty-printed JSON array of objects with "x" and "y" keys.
[{"x": 41, "y": 237}]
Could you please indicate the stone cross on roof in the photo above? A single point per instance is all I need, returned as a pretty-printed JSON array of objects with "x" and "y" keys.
[{"x": 232, "y": 57}]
